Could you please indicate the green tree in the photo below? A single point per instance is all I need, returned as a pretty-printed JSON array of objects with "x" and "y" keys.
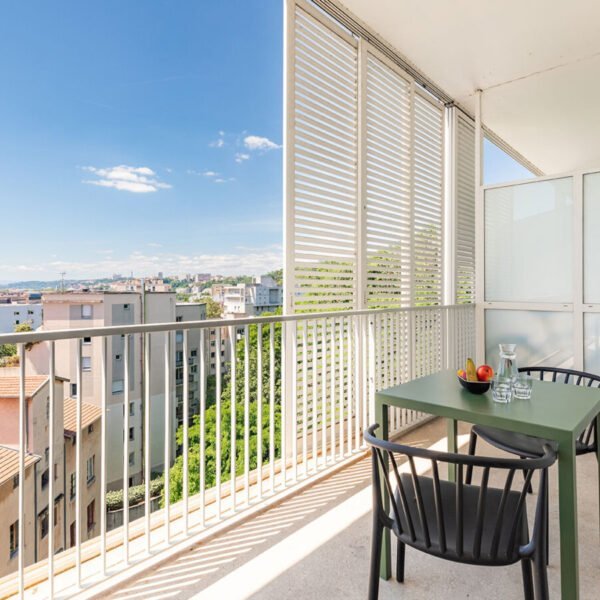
[
  {"x": 277, "y": 275},
  {"x": 8, "y": 352},
  {"x": 213, "y": 309},
  {"x": 176, "y": 472}
]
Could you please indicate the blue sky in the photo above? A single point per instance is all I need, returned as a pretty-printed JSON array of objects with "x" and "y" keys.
[
  {"x": 173, "y": 91},
  {"x": 143, "y": 136}
]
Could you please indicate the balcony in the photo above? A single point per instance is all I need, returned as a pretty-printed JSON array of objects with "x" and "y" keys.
[{"x": 249, "y": 476}]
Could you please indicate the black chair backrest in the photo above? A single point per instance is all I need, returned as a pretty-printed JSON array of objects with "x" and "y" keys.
[
  {"x": 384, "y": 451},
  {"x": 589, "y": 435}
]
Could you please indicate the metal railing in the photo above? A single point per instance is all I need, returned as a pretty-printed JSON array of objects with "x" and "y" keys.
[{"x": 266, "y": 403}]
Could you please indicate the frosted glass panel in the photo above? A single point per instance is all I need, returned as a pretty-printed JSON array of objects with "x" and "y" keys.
[
  {"x": 528, "y": 242},
  {"x": 542, "y": 337},
  {"x": 591, "y": 244},
  {"x": 591, "y": 340}
]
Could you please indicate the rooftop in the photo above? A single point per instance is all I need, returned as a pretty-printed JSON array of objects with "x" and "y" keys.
[
  {"x": 10, "y": 386},
  {"x": 9, "y": 462},
  {"x": 89, "y": 414}
]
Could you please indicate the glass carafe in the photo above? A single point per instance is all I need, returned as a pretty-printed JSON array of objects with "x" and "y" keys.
[{"x": 507, "y": 367}]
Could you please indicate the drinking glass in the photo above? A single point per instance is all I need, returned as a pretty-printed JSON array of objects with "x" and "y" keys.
[
  {"x": 502, "y": 389},
  {"x": 522, "y": 386}
]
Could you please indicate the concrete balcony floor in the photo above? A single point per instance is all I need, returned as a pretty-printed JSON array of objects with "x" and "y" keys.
[{"x": 317, "y": 544}]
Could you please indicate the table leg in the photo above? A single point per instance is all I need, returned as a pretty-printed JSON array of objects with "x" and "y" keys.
[
  {"x": 598, "y": 457},
  {"x": 381, "y": 417},
  {"x": 452, "y": 426},
  {"x": 567, "y": 494}
]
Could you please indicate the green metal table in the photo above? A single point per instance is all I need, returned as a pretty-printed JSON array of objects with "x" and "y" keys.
[{"x": 557, "y": 412}]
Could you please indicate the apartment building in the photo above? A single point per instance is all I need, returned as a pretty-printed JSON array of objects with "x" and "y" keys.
[
  {"x": 95, "y": 309},
  {"x": 9, "y": 508},
  {"x": 186, "y": 313},
  {"x": 91, "y": 459},
  {"x": 13, "y": 314},
  {"x": 37, "y": 445},
  {"x": 151, "y": 284},
  {"x": 252, "y": 299}
]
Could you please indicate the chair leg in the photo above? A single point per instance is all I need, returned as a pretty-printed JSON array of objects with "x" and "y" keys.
[
  {"x": 377, "y": 536},
  {"x": 472, "y": 445},
  {"x": 527, "y": 579},
  {"x": 547, "y": 515},
  {"x": 540, "y": 578},
  {"x": 400, "y": 553}
]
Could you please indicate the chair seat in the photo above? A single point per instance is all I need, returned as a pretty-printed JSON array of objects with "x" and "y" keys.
[
  {"x": 508, "y": 551},
  {"x": 520, "y": 443}
]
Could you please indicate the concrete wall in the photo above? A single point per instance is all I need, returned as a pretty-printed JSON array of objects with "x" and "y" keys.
[
  {"x": 15, "y": 314},
  {"x": 9, "y": 513}
]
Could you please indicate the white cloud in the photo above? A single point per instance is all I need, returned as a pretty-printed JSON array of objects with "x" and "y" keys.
[
  {"x": 256, "y": 142},
  {"x": 219, "y": 142},
  {"x": 139, "y": 180},
  {"x": 209, "y": 174},
  {"x": 220, "y": 180},
  {"x": 154, "y": 245},
  {"x": 241, "y": 157}
]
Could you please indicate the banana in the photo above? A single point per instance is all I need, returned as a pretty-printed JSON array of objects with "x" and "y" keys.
[{"x": 471, "y": 370}]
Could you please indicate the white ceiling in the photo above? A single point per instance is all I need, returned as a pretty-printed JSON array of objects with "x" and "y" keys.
[{"x": 537, "y": 62}]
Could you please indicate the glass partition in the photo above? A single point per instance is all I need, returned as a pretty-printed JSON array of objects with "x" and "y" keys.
[
  {"x": 542, "y": 337},
  {"x": 528, "y": 242},
  {"x": 591, "y": 237}
]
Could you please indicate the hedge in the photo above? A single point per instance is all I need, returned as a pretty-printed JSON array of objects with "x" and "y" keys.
[{"x": 137, "y": 494}]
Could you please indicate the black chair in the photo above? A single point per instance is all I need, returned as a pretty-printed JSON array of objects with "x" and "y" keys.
[
  {"x": 527, "y": 445},
  {"x": 474, "y": 524}
]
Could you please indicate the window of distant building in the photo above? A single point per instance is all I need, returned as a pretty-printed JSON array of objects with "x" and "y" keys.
[
  {"x": 14, "y": 539},
  {"x": 131, "y": 409},
  {"x": 43, "y": 516},
  {"x": 87, "y": 340},
  {"x": 86, "y": 363},
  {"x": 86, "y": 311},
  {"x": 73, "y": 486},
  {"x": 131, "y": 434},
  {"x": 118, "y": 386},
  {"x": 131, "y": 459},
  {"x": 91, "y": 469},
  {"x": 16, "y": 481},
  {"x": 91, "y": 509},
  {"x": 178, "y": 319},
  {"x": 74, "y": 390},
  {"x": 45, "y": 478}
]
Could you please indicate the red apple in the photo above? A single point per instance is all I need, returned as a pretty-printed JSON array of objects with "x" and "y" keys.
[{"x": 485, "y": 373}]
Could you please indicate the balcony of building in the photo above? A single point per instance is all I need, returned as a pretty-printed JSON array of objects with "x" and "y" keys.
[{"x": 237, "y": 449}]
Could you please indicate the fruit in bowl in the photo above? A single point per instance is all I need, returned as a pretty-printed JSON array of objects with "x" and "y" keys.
[{"x": 475, "y": 379}]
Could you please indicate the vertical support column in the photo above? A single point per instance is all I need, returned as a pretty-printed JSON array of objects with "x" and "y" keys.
[
  {"x": 479, "y": 234},
  {"x": 578, "y": 258}
]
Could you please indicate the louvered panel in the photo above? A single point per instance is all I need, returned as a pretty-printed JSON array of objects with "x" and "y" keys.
[
  {"x": 388, "y": 187},
  {"x": 325, "y": 167},
  {"x": 428, "y": 181},
  {"x": 465, "y": 211}
]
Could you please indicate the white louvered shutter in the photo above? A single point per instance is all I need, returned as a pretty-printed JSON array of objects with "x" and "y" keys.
[
  {"x": 388, "y": 202},
  {"x": 464, "y": 219},
  {"x": 428, "y": 194},
  {"x": 324, "y": 230}
]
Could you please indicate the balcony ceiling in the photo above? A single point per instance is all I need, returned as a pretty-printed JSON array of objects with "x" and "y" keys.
[{"x": 538, "y": 62}]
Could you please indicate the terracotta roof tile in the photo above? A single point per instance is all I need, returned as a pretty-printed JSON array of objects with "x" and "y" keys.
[
  {"x": 9, "y": 463},
  {"x": 10, "y": 388},
  {"x": 89, "y": 414}
]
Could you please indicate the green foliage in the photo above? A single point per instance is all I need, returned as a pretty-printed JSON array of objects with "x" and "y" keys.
[
  {"x": 8, "y": 352},
  {"x": 176, "y": 472},
  {"x": 277, "y": 275},
  {"x": 213, "y": 309},
  {"x": 137, "y": 494}
]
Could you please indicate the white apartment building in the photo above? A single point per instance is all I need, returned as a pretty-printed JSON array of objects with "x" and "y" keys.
[
  {"x": 14, "y": 314},
  {"x": 252, "y": 299},
  {"x": 150, "y": 284}
]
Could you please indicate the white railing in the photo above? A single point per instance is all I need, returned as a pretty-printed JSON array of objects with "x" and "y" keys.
[{"x": 266, "y": 404}]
